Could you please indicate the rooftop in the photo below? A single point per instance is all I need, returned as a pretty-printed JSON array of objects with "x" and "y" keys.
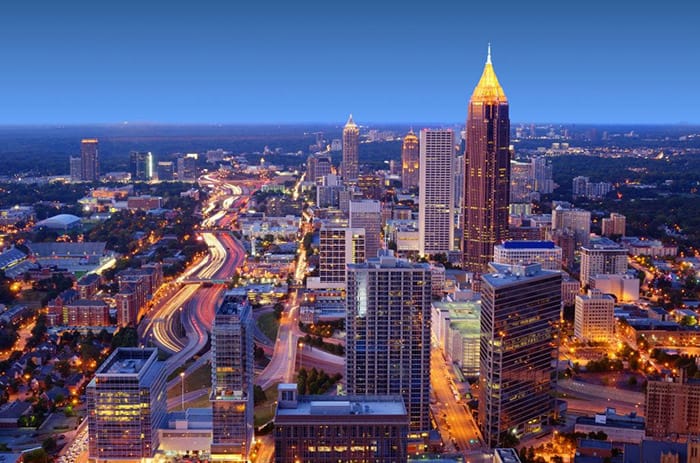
[
  {"x": 504, "y": 274},
  {"x": 512, "y": 244},
  {"x": 127, "y": 361},
  {"x": 345, "y": 406}
]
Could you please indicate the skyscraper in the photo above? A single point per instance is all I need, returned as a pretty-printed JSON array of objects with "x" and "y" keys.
[
  {"x": 487, "y": 171},
  {"x": 187, "y": 168},
  {"x": 410, "y": 161},
  {"x": 388, "y": 333},
  {"x": 89, "y": 160},
  {"x": 520, "y": 307},
  {"x": 126, "y": 403},
  {"x": 435, "y": 223},
  {"x": 232, "y": 379},
  {"x": 76, "y": 167},
  {"x": 367, "y": 214},
  {"x": 351, "y": 147},
  {"x": 339, "y": 247},
  {"x": 141, "y": 165}
]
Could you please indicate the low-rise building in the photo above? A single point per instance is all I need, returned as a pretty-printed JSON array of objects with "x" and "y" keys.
[
  {"x": 618, "y": 428},
  {"x": 339, "y": 428}
]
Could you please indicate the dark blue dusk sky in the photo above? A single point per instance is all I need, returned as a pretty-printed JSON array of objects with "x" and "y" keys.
[{"x": 316, "y": 61}]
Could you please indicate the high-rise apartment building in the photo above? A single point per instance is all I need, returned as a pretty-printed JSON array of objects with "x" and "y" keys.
[
  {"x": 351, "y": 151},
  {"x": 520, "y": 306},
  {"x": 388, "y": 333},
  {"x": 594, "y": 316},
  {"x": 371, "y": 429},
  {"x": 541, "y": 172},
  {"x": 435, "y": 213},
  {"x": 126, "y": 403},
  {"x": 614, "y": 225},
  {"x": 367, "y": 214},
  {"x": 337, "y": 248},
  {"x": 410, "y": 161},
  {"x": 89, "y": 160},
  {"x": 141, "y": 164},
  {"x": 602, "y": 257},
  {"x": 576, "y": 220},
  {"x": 486, "y": 173},
  {"x": 673, "y": 407},
  {"x": 544, "y": 253},
  {"x": 232, "y": 379}
]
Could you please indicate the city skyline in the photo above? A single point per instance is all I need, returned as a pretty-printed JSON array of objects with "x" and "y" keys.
[{"x": 216, "y": 63}]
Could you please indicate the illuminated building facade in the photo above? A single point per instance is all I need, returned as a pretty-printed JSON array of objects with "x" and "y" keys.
[
  {"x": 388, "y": 333},
  {"x": 351, "y": 151},
  {"x": 520, "y": 307},
  {"x": 594, "y": 317},
  {"x": 486, "y": 173},
  {"x": 367, "y": 214},
  {"x": 435, "y": 213},
  {"x": 232, "y": 379},
  {"x": 369, "y": 429},
  {"x": 339, "y": 247},
  {"x": 89, "y": 160},
  {"x": 410, "y": 161},
  {"x": 141, "y": 165},
  {"x": 126, "y": 403}
]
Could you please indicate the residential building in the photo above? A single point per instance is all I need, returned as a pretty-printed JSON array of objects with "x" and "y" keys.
[
  {"x": 89, "y": 160},
  {"x": 487, "y": 172},
  {"x": 594, "y": 318},
  {"x": 614, "y": 225},
  {"x": 673, "y": 407},
  {"x": 126, "y": 403},
  {"x": 337, "y": 248},
  {"x": 367, "y": 214},
  {"x": 525, "y": 252},
  {"x": 388, "y": 333},
  {"x": 520, "y": 311},
  {"x": 232, "y": 379},
  {"x": 602, "y": 257},
  {"x": 435, "y": 213},
  {"x": 578, "y": 221}
]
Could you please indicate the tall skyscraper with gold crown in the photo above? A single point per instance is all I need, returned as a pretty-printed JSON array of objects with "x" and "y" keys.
[
  {"x": 410, "y": 157},
  {"x": 487, "y": 171},
  {"x": 351, "y": 147}
]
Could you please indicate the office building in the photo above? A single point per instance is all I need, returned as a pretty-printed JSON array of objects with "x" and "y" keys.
[
  {"x": 520, "y": 306},
  {"x": 367, "y": 214},
  {"x": 187, "y": 168},
  {"x": 388, "y": 333},
  {"x": 486, "y": 172},
  {"x": 578, "y": 221},
  {"x": 623, "y": 287},
  {"x": 410, "y": 161},
  {"x": 232, "y": 379},
  {"x": 522, "y": 188},
  {"x": 328, "y": 190},
  {"x": 602, "y": 257},
  {"x": 594, "y": 317},
  {"x": 435, "y": 213},
  {"x": 544, "y": 253},
  {"x": 456, "y": 325},
  {"x": 89, "y": 160},
  {"x": 337, "y": 248},
  {"x": 541, "y": 172},
  {"x": 366, "y": 428},
  {"x": 673, "y": 407},
  {"x": 141, "y": 164},
  {"x": 165, "y": 171},
  {"x": 614, "y": 225},
  {"x": 351, "y": 152},
  {"x": 126, "y": 403}
]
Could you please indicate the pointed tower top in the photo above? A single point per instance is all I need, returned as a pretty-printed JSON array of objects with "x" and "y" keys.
[
  {"x": 350, "y": 122},
  {"x": 488, "y": 90}
]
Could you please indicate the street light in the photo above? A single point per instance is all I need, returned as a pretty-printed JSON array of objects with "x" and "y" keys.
[
  {"x": 182, "y": 389},
  {"x": 301, "y": 356}
]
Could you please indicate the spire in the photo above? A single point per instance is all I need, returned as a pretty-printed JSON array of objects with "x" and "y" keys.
[
  {"x": 488, "y": 89},
  {"x": 350, "y": 122}
]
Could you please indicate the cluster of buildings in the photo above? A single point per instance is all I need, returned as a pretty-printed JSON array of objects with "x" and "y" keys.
[{"x": 142, "y": 166}]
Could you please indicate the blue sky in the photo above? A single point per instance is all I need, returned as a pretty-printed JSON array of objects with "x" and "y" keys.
[{"x": 311, "y": 61}]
